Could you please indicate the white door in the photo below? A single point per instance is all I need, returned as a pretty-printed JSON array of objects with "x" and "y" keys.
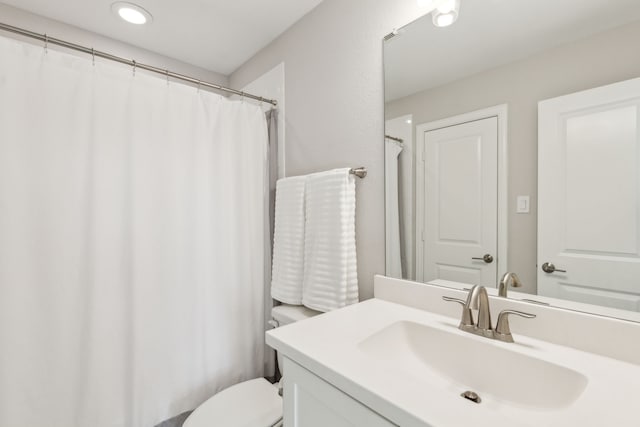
[
  {"x": 589, "y": 196},
  {"x": 458, "y": 190}
]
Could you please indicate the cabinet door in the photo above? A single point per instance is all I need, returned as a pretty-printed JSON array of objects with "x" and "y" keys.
[{"x": 311, "y": 402}]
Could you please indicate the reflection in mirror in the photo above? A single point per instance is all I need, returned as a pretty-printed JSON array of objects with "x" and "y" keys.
[
  {"x": 513, "y": 145},
  {"x": 398, "y": 152}
]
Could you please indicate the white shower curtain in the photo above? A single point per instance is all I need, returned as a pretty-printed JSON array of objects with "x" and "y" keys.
[
  {"x": 131, "y": 242},
  {"x": 392, "y": 209}
]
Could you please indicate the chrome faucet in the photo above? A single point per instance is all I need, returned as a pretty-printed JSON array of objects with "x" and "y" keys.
[
  {"x": 478, "y": 299},
  {"x": 504, "y": 283}
]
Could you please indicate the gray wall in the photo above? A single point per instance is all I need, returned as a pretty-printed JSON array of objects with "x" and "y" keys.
[
  {"x": 335, "y": 102},
  {"x": 19, "y": 18},
  {"x": 598, "y": 60}
]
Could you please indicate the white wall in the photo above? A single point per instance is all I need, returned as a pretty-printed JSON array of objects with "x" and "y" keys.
[
  {"x": 38, "y": 24},
  {"x": 335, "y": 103}
]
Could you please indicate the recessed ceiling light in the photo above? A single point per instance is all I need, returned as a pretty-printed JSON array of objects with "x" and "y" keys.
[
  {"x": 131, "y": 13},
  {"x": 446, "y": 13}
]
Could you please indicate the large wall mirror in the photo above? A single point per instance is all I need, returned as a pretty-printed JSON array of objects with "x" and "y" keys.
[{"x": 512, "y": 144}]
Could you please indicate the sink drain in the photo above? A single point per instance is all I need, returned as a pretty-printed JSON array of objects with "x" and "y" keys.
[{"x": 472, "y": 396}]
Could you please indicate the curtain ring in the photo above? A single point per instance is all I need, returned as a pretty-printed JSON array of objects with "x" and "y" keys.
[
  {"x": 167, "y": 73},
  {"x": 93, "y": 57},
  {"x": 46, "y": 43},
  {"x": 134, "y": 67}
]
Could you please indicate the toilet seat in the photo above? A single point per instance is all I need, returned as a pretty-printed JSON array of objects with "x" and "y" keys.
[{"x": 254, "y": 403}]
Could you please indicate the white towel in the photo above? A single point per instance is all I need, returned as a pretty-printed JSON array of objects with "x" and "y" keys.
[
  {"x": 288, "y": 242},
  {"x": 330, "y": 273}
]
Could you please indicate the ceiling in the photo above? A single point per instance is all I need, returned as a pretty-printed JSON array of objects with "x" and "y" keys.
[
  {"x": 217, "y": 35},
  {"x": 491, "y": 33}
]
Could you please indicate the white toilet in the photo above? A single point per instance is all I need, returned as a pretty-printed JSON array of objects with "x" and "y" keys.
[{"x": 253, "y": 403}]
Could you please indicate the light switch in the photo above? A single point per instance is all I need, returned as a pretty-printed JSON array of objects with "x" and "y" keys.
[{"x": 523, "y": 205}]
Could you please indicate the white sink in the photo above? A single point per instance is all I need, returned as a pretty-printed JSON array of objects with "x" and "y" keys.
[
  {"x": 463, "y": 362},
  {"x": 411, "y": 366}
]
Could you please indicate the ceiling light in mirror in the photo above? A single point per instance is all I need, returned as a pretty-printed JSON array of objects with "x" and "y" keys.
[
  {"x": 448, "y": 5},
  {"x": 426, "y": 3},
  {"x": 131, "y": 13},
  {"x": 446, "y": 13}
]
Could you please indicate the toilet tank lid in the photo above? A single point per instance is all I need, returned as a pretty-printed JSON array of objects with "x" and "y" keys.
[{"x": 285, "y": 313}]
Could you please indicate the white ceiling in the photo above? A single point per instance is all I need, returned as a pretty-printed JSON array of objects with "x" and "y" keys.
[
  {"x": 490, "y": 33},
  {"x": 217, "y": 35}
]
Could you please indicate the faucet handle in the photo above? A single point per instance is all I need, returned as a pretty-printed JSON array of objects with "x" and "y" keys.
[
  {"x": 450, "y": 299},
  {"x": 467, "y": 317},
  {"x": 503, "y": 330}
]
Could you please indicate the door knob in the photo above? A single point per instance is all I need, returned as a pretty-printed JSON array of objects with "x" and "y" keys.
[
  {"x": 548, "y": 267},
  {"x": 487, "y": 258}
]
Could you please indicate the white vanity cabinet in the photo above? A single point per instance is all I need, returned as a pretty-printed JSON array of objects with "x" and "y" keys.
[{"x": 311, "y": 402}]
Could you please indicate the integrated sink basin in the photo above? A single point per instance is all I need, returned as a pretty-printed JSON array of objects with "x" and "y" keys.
[
  {"x": 460, "y": 362},
  {"x": 412, "y": 366}
]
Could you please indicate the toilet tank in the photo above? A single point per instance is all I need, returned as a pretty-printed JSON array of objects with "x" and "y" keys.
[{"x": 286, "y": 314}]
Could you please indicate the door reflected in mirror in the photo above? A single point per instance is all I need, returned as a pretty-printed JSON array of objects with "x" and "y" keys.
[{"x": 512, "y": 144}]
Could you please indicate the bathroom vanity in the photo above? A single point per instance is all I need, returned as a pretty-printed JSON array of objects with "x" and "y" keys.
[{"x": 400, "y": 359}]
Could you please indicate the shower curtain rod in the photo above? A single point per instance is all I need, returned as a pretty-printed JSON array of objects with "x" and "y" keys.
[
  {"x": 393, "y": 138},
  {"x": 169, "y": 74}
]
